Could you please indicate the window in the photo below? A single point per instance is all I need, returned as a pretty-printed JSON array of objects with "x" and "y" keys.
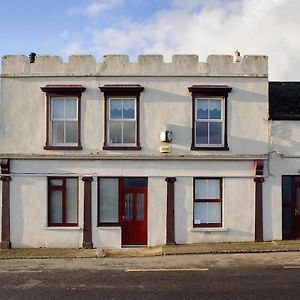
[
  {"x": 63, "y": 117},
  {"x": 207, "y": 202},
  {"x": 62, "y": 201},
  {"x": 209, "y": 117},
  {"x": 121, "y": 130},
  {"x": 122, "y": 122},
  {"x": 111, "y": 193}
]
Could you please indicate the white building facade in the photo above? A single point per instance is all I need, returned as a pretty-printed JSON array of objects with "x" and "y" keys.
[{"x": 116, "y": 154}]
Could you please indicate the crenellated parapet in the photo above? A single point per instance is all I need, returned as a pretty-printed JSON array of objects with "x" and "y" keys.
[{"x": 146, "y": 65}]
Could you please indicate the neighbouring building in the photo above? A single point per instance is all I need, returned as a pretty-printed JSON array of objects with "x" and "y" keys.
[
  {"x": 115, "y": 153},
  {"x": 283, "y": 188}
]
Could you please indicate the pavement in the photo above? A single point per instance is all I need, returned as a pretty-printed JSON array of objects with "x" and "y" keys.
[{"x": 182, "y": 249}]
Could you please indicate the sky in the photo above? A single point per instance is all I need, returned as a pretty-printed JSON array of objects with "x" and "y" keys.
[{"x": 167, "y": 27}]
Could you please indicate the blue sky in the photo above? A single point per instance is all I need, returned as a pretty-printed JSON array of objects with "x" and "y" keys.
[{"x": 167, "y": 27}]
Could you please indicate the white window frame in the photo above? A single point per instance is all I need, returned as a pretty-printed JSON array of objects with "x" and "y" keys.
[
  {"x": 122, "y": 121},
  {"x": 222, "y": 121},
  {"x": 52, "y": 119}
]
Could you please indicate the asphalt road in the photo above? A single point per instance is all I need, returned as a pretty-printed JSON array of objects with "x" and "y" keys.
[{"x": 234, "y": 276}]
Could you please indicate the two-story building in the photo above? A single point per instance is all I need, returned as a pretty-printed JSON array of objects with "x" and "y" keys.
[{"x": 115, "y": 153}]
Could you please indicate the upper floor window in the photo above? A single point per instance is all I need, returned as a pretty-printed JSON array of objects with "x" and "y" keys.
[
  {"x": 122, "y": 122},
  {"x": 209, "y": 117},
  {"x": 121, "y": 130},
  {"x": 63, "y": 116}
]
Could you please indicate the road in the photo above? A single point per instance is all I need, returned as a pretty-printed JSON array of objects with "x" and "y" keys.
[{"x": 233, "y": 276}]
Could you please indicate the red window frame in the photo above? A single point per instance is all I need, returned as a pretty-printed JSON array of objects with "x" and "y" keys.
[
  {"x": 63, "y": 189},
  {"x": 62, "y": 91},
  {"x": 119, "y": 91},
  {"x": 209, "y": 91},
  {"x": 218, "y": 200}
]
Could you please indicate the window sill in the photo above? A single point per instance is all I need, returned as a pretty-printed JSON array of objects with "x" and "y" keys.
[
  {"x": 121, "y": 148},
  {"x": 62, "y": 147},
  {"x": 196, "y": 148},
  {"x": 62, "y": 228},
  {"x": 109, "y": 227},
  {"x": 207, "y": 229}
]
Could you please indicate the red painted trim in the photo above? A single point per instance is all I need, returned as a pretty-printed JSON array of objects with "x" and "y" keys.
[
  {"x": 210, "y": 89},
  {"x": 219, "y": 200},
  {"x": 170, "y": 230},
  {"x": 121, "y": 148},
  {"x": 87, "y": 220},
  {"x": 5, "y": 166},
  {"x": 258, "y": 181},
  {"x": 207, "y": 91},
  {"x": 63, "y": 148},
  {"x": 63, "y": 189},
  {"x": 5, "y": 225},
  {"x": 62, "y": 91},
  {"x": 119, "y": 90},
  {"x": 63, "y": 88}
]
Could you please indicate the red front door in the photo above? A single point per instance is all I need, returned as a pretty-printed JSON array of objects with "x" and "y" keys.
[{"x": 134, "y": 216}]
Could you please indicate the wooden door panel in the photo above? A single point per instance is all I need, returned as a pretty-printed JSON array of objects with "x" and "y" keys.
[{"x": 134, "y": 220}]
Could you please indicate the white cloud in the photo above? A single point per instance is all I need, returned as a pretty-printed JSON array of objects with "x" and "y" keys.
[
  {"x": 95, "y": 8},
  {"x": 215, "y": 27}
]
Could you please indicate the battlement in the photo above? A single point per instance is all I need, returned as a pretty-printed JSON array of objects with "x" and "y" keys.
[{"x": 146, "y": 65}]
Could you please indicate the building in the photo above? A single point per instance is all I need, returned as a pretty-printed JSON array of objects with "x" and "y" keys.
[
  {"x": 115, "y": 153},
  {"x": 283, "y": 185}
]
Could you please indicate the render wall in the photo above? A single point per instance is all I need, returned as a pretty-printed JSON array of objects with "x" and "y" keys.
[
  {"x": 29, "y": 201},
  {"x": 166, "y": 99}
]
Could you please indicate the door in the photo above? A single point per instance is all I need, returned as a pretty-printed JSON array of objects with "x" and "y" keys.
[
  {"x": 134, "y": 216},
  {"x": 291, "y": 207}
]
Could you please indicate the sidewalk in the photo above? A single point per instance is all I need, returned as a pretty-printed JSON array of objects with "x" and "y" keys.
[{"x": 203, "y": 248}]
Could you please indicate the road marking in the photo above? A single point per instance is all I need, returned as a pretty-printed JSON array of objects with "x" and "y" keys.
[
  {"x": 20, "y": 271},
  {"x": 165, "y": 270},
  {"x": 291, "y": 267}
]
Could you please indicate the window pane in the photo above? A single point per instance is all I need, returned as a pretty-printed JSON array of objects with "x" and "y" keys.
[
  {"x": 286, "y": 189},
  {"x": 207, "y": 212},
  {"x": 109, "y": 199},
  {"x": 71, "y": 132},
  {"x": 71, "y": 200},
  {"x": 56, "y": 207},
  {"x": 140, "y": 202},
  {"x": 202, "y": 109},
  {"x": 58, "y": 108},
  {"x": 57, "y": 132},
  {"x": 115, "y": 132},
  {"x": 128, "y": 132},
  {"x": 201, "y": 133},
  {"x": 287, "y": 222},
  {"x": 128, "y": 206},
  {"x": 71, "y": 109},
  {"x": 215, "y": 109},
  {"x": 115, "y": 108},
  {"x": 128, "y": 109},
  {"x": 57, "y": 182},
  {"x": 215, "y": 133},
  {"x": 207, "y": 189}
]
